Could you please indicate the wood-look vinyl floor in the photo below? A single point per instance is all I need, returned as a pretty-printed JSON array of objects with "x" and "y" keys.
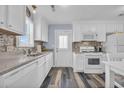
[{"x": 66, "y": 78}]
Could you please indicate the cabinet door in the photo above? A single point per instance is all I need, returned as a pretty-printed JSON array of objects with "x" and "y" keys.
[
  {"x": 22, "y": 78},
  {"x": 84, "y": 28},
  {"x": 110, "y": 27},
  {"x": 1, "y": 82},
  {"x": 78, "y": 63},
  {"x": 101, "y": 32},
  {"x": 41, "y": 71},
  {"x": 120, "y": 27},
  {"x": 46, "y": 32},
  {"x": 120, "y": 39},
  {"x": 16, "y": 18},
  {"x": 3, "y": 15},
  {"x": 42, "y": 30},
  {"x": 37, "y": 29},
  {"x": 76, "y": 32},
  {"x": 51, "y": 59}
]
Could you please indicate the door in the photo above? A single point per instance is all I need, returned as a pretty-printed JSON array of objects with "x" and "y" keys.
[{"x": 63, "y": 48}]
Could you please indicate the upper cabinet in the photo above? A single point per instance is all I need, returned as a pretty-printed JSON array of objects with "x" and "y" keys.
[
  {"x": 37, "y": 29},
  {"x": 101, "y": 32},
  {"x": 110, "y": 27},
  {"x": 12, "y": 19},
  {"x": 41, "y": 29},
  {"x": 93, "y": 31},
  {"x": 16, "y": 18},
  {"x": 99, "y": 28},
  {"x": 3, "y": 16},
  {"x": 76, "y": 32},
  {"x": 114, "y": 27}
]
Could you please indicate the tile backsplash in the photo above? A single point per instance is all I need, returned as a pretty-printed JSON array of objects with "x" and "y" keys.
[
  {"x": 5, "y": 41},
  {"x": 76, "y": 45},
  {"x": 8, "y": 45}
]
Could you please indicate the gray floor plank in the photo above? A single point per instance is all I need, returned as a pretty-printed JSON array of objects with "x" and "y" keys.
[{"x": 65, "y": 78}]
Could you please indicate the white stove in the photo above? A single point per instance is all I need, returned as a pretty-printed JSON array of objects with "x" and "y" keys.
[{"x": 93, "y": 63}]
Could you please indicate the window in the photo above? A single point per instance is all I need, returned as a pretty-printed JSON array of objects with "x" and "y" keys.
[
  {"x": 63, "y": 41},
  {"x": 27, "y": 39}
]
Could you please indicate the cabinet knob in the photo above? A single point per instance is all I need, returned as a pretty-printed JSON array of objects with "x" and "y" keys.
[
  {"x": 1, "y": 22},
  {"x": 10, "y": 25}
]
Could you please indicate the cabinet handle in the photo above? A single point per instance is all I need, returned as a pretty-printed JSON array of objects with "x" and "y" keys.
[
  {"x": 1, "y": 22},
  {"x": 10, "y": 25}
]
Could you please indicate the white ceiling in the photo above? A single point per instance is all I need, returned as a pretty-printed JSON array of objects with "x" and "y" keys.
[{"x": 71, "y": 13}]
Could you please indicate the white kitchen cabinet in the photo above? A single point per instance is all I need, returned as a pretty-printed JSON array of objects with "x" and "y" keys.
[
  {"x": 1, "y": 82},
  {"x": 46, "y": 32},
  {"x": 120, "y": 27},
  {"x": 48, "y": 66},
  {"x": 37, "y": 29},
  {"x": 115, "y": 27},
  {"x": 16, "y": 18},
  {"x": 115, "y": 43},
  {"x": 41, "y": 71},
  {"x": 41, "y": 29},
  {"x": 44, "y": 28},
  {"x": 30, "y": 75},
  {"x": 49, "y": 63},
  {"x": 120, "y": 39},
  {"x": 23, "y": 77},
  {"x": 51, "y": 59},
  {"x": 12, "y": 18},
  {"x": 90, "y": 30},
  {"x": 76, "y": 32},
  {"x": 78, "y": 62},
  {"x": 101, "y": 32},
  {"x": 110, "y": 27},
  {"x": 3, "y": 16}
]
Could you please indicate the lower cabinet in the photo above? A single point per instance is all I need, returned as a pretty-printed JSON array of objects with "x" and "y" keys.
[
  {"x": 30, "y": 75},
  {"x": 22, "y": 77},
  {"x": 41, "y": 71},
  {"x": 78, "y": 62}
]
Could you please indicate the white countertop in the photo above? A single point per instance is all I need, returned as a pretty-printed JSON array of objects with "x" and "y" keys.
[
  {"x": 117, "y": 65},
  {"x": 11, "y": 62}
]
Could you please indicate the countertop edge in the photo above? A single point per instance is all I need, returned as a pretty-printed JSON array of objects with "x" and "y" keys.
[{"x": 25, "y": 63}]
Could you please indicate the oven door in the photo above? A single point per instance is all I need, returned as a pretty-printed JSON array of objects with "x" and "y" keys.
[{"x": 93, "y": 62}]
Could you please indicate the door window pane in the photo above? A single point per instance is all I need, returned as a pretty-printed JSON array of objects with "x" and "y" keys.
[{"x": 63, "y": 41}]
